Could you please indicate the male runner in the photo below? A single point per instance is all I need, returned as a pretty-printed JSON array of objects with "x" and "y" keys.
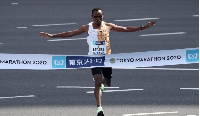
[{"x": 98, "y": 32}]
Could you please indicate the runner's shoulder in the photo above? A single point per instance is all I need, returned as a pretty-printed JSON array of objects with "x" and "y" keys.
[{"x": 111, "y": 25}]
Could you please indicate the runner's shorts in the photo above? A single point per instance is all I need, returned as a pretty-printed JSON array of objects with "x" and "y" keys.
[{"x": 106, "y": 71}]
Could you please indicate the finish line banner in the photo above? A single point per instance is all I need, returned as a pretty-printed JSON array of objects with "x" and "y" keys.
[{"x": 123, "y": 60}]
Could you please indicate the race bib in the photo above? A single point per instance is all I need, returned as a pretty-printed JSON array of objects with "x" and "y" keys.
[{"x": 99, "y": 47}]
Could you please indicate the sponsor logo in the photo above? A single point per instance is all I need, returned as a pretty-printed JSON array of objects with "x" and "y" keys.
[
  {"x": 58, "y": 62},
  {"x": 112, "y": 60},
  {"x": 84, "y": 61},
  {"x": 192, "y": 55},
  {"x": 98, "y": 42},
  {"x": 90, "y": 31}
]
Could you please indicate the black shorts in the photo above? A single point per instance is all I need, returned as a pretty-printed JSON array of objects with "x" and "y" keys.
[{"x": 106, "y": 71}]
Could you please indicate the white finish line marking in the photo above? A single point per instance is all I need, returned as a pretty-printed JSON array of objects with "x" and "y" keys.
[
  {"x": 22, "y": 27},
  {"x": 66, "y": 39},
  {"x": 189, "y": 88},
  {"x": 53, "y": 24},
  {"x": 141, "y": 19},
  {"x": 1, "y": 43},
  {"x": 176, "y": 33},
  {"x": 181, "y": 69},
  {"x": 109, "y": 91},
  {"x": 82, "y": 87},
  {"x": 28, "y": 96},
  {"x": 14, "y": 3},
  {"x": 195, "y": 15},
  {"x": 155, "y": 113}
]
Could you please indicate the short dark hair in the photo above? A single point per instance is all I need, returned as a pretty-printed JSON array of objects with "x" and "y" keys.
[{"x": 95, "y": 9}]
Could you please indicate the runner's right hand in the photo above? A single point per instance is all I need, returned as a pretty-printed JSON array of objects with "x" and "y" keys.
[{"x": 46, "y": 35}]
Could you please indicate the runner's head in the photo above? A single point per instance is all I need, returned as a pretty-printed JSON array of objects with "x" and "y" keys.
[{"x": 97, "y": 15}]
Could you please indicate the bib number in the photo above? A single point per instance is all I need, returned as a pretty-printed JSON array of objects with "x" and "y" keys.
[{"x": 99, "y": 47}]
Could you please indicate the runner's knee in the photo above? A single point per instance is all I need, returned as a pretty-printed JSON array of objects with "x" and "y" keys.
[{"x": 98, "y": 80}]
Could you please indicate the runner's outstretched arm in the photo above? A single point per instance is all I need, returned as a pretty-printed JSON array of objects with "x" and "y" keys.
[
  {"x": 131, "y": 29},
  {"x": 81, "y": 30}
]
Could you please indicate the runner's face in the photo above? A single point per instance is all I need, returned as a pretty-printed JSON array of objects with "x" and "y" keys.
[{"x": 97, "y": 17}]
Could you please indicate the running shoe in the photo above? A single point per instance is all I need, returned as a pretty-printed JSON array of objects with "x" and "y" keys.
[{"x": 100, "y": 112}]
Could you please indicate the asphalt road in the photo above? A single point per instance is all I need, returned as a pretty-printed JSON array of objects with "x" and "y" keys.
[{"x": 172, "y": 91}]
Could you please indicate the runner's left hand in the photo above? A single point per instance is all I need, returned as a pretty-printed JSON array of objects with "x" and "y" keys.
[{"x": 150, "y": 24}]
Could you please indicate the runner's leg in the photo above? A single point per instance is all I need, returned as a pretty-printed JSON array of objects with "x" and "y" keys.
[
  {"x": 97, "y": 90},
  {"x": 97, "y": 75}
]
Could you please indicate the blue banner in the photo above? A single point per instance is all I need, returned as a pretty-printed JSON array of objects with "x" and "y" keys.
[{"x": 84, "y": 61}]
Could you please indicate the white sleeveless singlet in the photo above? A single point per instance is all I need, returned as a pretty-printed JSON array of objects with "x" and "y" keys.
[{"x": 98, "y": 40}]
